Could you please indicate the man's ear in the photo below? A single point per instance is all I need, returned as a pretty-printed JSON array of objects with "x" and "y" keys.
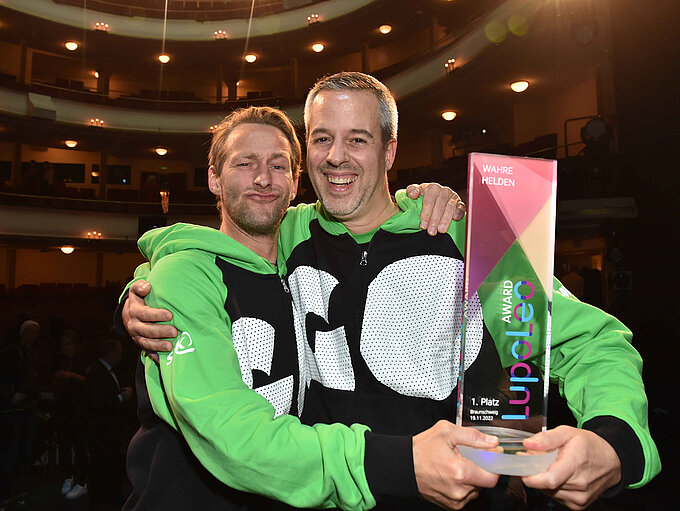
[
  {"x": 214, "y": 181},
  {"x": 294, "y": 188},
  {"x": 390, "y": 153}
]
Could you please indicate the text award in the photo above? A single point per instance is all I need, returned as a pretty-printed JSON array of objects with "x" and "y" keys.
[{"x": 509, "y": 252}]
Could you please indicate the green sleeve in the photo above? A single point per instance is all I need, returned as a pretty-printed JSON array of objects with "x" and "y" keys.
[
  {"x": 413, "y": 208},
  {"x": 140, "y": 273},
  {"x": 197, "y": 388},
  {"x": 598, "y": 371}
]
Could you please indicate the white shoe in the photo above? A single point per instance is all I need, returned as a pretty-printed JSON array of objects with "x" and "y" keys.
[
  {"x": 66, "y": 486},
  {"x": 77, "y": 491}
]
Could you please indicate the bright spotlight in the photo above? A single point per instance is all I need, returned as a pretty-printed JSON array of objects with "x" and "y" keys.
[{"x": 519, "y": 86}]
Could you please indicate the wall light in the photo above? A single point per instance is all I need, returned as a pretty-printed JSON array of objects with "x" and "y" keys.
[
  {"x": 101, "y": 26},
  {"x": 220, "y": 34},
  {"x": 164, "y": 59},
  {"x": 71, "y": 45},
  {"x": 71, "y": 143},
  {"x": 161, "y": 151},
  {"x": 67, "y": 250},
  {"x": 519, "y": 86},
  {"x": 450, "y": 65},
  {"x": 96, "y": 74},
  {"x": 318, "y": 47},
  {"x": 449, "y": 115},
  {"x": 97, "y": 122},
  {"x": 165, "y": 201},
  {"x": 313, "y": 18},
  {"x": 251, "y": 57},
  {"x": 94, "y": 235},
  {"x": 385, "y": 29}
]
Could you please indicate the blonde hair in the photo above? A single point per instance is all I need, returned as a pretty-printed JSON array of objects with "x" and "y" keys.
[{"x": 253, "y": 115}]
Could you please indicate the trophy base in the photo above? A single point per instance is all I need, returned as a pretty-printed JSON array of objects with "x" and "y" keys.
[{"x": 513, "y": 460}]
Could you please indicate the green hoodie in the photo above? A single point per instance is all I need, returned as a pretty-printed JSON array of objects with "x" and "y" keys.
[
  {"x": 592, "y": 361},
  {"x": 199, "y": 388}
]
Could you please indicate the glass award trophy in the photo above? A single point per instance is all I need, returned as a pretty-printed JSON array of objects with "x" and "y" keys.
[{"x": 510, "y": 238}]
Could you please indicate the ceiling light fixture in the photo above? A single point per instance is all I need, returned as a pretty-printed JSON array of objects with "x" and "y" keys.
[
  {"x": 385, "y": 29},
  {"x": 220, "y": 34},
  {"x": 164, "y": 58},
  {"x": 318, "y": 47},
  {"x": 71, "y": 143},
  {"x": 67, "y": 250},
  {"x": 71, "y": 45},
  {"x": 519, "y": 86},
  {"x": 449, "y": 115},
  {"x": 161, "y": 151},
  {"x": 313, "y": 18},
  {"x": 96, "y": 74},
  {"x": 250, "y": 58}
]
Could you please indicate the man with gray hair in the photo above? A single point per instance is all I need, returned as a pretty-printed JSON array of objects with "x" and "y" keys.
[
  {"x": 236, "y": 377},
  {"x": 380, "y": 304}
]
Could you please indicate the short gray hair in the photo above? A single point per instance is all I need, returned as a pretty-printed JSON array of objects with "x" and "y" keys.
[{"x": 355, "y": 81}]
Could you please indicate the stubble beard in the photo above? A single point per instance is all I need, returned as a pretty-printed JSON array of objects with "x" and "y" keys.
[
  {"x": 265, "y": 222},
  {"x": 339, "y": 207}
]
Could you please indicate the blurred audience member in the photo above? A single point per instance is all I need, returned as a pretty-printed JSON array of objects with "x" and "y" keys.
[
  {"x": 104, "y": 399},
  {"x": 19, "y": 393},
  {"x": 48, "y": 175},
  {"x": 31, "y": 177},
  {"x": 69, "y": 414},
  {"x": 151, "y": 190}
]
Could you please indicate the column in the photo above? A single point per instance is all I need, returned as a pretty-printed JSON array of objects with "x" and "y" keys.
[
  {"x": 103, "y": 80},
  {"x": 218, "y": 84},
  {"x": 11, "y": 268},
  {"x": 100, "y": 269},
  {"x": 15, "y": 179},
  {"x": 103, "y": 158},
  {"x": 231, "y": 84},
  {"x": 364, "y": 58}
]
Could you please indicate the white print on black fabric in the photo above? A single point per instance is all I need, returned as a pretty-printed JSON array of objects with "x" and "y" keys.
[
  {"x": 254, "y": 343},
  {"x": 305, "y": 357},
  {"x": 331, "y": 364},
  {"x": 410, "y": 337}
]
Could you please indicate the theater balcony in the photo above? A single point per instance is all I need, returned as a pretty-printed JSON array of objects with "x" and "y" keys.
[{"x": 91, "y": 136}]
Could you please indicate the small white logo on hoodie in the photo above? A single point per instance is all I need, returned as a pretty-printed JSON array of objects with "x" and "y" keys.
[{"x": 183, "y": 345}]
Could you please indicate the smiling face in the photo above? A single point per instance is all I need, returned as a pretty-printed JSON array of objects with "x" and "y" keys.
[
  {"x": 256, "y": 182},
  {"x": 346, "y": 157}
]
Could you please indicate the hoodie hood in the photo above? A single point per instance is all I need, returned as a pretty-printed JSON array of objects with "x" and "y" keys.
[{"x": 164, "y": 241}]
